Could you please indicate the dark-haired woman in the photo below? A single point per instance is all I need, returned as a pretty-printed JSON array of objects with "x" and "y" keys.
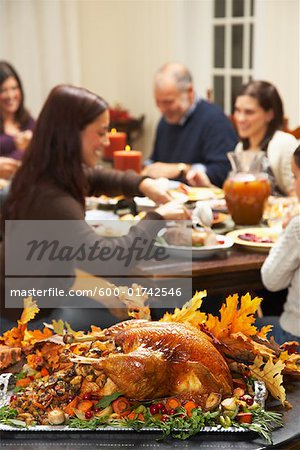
[
  {"x": 59, "y": 170},
  {"x": 16, "y": 124},
  {"x": 258, "y": 115}
]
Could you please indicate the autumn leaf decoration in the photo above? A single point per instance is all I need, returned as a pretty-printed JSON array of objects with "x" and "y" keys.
[
  {"x": 189, "y": 312},
  {"x": 236, "y": 319},
  {"x": 14, "y": 337},
  {"x": 270, "y": 373},
  {"x": 29, "y": 312}
]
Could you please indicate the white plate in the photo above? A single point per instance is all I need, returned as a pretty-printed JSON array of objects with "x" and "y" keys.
[
  {"x": 99, "y": 215},
  {"x": 199, "y": 252},
  {"x": 262, "y": 247}
]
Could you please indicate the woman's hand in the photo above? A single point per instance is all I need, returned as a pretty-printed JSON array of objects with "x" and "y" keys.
[
  {"x": 22, "y": 139},
  {"x": 197, "y": 178},
  {"x": 173, "y": 211},
  {"x": 8, "y": 167},
  {"x": 152, "y": 189}
]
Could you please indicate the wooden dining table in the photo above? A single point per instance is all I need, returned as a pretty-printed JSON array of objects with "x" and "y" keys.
[{"x": 236, "y": 269}]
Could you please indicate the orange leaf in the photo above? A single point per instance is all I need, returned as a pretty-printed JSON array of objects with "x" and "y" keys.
[
  {"x": 13, "y": 337},
  {"x": 264, "y": 331},
  {"x": 30, "y": 337},
  {"x": 222, "y": 327},
  {"x": 29, "y": 311}
]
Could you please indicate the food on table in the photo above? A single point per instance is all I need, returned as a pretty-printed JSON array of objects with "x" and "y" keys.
[
  {"x": 138, "y": 217},
  {"x": 180, "y": 374},
  {"x": 194, "y": 194},
  {"x": 189, "y": 237},
  {"x": 180, "y": 359},
  {"x": 251, "y": 237}
]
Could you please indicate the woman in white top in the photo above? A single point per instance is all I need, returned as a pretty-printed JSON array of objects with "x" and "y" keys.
[
  {"x": 281, "y": 270},
  {"x": 258, "y": 116}
]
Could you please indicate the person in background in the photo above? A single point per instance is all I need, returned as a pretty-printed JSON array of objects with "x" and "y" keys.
[
  {"x": 281, "y": 270},
  {"x": 191, "y": 134},
  {"x": 16, "y": 124},
  {"x": 60, "y": 163},
  {"x": 258, "y": 115}
]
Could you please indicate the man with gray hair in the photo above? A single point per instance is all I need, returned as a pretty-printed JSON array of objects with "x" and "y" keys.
[{"x": 192, "y": 134}]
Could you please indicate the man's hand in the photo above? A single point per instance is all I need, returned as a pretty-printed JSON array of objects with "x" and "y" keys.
[
  {"x": 152, "y": 189},
  {"x": 159, "y": 169},
  {"x": 197, "y": 178}
]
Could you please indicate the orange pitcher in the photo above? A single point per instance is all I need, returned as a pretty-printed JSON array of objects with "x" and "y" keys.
[{"x": 247, "y": 188}]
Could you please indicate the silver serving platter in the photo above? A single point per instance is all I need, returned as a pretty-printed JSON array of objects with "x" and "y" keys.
[{"x": 5, "y": 393}]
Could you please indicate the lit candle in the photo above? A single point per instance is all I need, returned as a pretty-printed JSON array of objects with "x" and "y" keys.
[
  {"x": 128, "y": 159},
  {"x": 117, "y": 141}
]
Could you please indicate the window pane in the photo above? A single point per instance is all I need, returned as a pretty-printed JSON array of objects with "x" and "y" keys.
[
  {"x": 219, "y": 91},
  {"x": 219, "y": 8},
  {"x": 238, "y": 8},
  {"x": 236, "y": 83},
  {"x": 251, "y": 7},
  {"x": 251, "y": 48},
  {"x": 237, "y": 46},
  {"x": 219, "y": 51}
]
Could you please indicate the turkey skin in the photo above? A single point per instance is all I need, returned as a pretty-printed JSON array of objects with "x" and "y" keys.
[{"x": 162, "y": 359}]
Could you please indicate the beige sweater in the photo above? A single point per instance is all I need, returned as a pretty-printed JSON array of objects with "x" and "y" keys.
[{"x": 280, "y": 151}]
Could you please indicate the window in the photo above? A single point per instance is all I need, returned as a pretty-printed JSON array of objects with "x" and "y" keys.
[{"x": 233, "y": 24}]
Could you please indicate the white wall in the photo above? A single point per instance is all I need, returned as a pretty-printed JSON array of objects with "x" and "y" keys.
[
  {"x": 123, "y": 43},
  {"x": 114, "y": 47},
  {"x": 40, "y": 39},
  {"x": 277, "y": 51}
]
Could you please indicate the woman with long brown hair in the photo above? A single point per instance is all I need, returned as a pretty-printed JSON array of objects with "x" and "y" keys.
[{"x": 60, "y": 168}]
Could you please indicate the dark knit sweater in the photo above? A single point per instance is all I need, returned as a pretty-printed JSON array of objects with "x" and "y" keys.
[
  {"x": 51, "y": 202},
  {"x": 206, "y": 137}
]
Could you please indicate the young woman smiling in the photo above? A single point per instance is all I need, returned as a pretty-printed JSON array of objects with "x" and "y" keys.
[
  {"x": 258, "y": 116},
  {"x": 58, "y": 171}
]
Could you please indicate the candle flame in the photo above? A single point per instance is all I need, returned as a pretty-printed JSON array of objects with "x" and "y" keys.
[
  {"x": 113, "y": 130},
  {"x": 127, "y": 148}
]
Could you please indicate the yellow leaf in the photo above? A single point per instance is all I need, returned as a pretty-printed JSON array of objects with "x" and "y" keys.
[
  {"x": 29, "y": 311},
  {"x": 245, "y": 318},
  {"x": 188, "y": 313},
  {"x": 284, "y": 356},
  {"x": 264, "y": 331},
  {"x": 233, "y": 319},
  {"x": 270, "y": 374}
]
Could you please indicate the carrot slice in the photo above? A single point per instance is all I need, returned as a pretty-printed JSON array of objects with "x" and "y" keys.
[
  {"x": 24, "y": 382},
  {"x": 69, "y": 409},
  {"x": 121, "y": 406},
  {"x": 85, "y": 405},
  {"x": 189, "y": 406},
  {"x": 172, "y": 403}
]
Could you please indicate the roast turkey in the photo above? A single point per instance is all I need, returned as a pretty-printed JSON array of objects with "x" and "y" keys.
[{"x": 161, "y": 359}]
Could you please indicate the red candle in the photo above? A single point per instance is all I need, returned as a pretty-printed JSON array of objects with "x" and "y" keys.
[
  {"x": 128, "y": 159},
  {"x": 117, "y": 141}
]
